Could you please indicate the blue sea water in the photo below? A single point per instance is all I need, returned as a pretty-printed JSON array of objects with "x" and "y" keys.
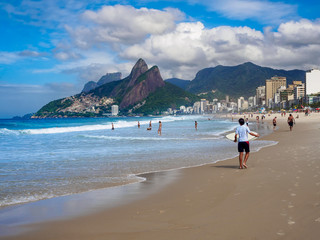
[{"x": 45, "y": 158}]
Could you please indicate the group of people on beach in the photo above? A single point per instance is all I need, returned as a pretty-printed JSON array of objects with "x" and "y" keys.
[
  {"x": 160, "y": 126},
  {"x": 241, "y": 135}
]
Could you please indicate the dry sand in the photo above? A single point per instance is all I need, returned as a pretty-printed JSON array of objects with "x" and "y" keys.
[{"x": 277, "y": 197}]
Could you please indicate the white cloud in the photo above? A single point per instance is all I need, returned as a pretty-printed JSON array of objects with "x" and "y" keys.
[
  {"x": 122, "y": 25},
  {"x": 303, "y": 32},
  {"x": 192, "y": 47},
  {"x": 266, "y": 12},
  {"x": 8, "y": 57},
  {"x": 12, "y": 57}
]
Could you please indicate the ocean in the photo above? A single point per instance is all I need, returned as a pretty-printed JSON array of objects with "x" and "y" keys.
[{"x": 47, "y": 158}]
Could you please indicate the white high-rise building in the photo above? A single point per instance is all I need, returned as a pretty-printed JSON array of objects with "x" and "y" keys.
[
  {"x": 203, "y": 105},
  {"x": 312, "y": 81},
  {"x": 240, "y": 103},
  {"x": 114, "y": 110},
  {"x": 196, "y": 107},
  {"x": 261, "y": 95}
]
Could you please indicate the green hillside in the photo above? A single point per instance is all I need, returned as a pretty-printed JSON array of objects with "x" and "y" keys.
[{"x": 241, "y": 80}]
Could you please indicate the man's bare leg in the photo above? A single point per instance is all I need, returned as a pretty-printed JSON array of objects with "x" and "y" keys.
[
  {"x": 240, "y": 160},
  {"x": 245, "y": 160}
]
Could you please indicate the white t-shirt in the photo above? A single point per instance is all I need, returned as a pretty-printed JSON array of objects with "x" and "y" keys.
[{"x": 242, "y": 132}]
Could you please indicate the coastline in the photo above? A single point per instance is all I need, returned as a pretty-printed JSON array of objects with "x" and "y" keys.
[{"x": 265, "y": 201}]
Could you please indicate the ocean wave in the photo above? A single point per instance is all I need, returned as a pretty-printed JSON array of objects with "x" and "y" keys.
[
  {"x": 96, "y": 127},
  {"x": 5, "y": 131},
  {"x": 132, "y": 138},
  {"x": 109, "y": 182},
  {"x": 24, "y": 199}
]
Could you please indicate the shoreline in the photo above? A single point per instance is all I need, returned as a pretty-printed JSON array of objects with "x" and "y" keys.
[
  {"x": 169, "y": 217},
  {"x": 140, "y": 176},
  {"x": 57, "y": 202}
]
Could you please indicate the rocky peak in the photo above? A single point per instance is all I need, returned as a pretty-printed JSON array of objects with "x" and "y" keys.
[
  {"x": 139, "y": 68},
  {"x": 144, "y": 84}
]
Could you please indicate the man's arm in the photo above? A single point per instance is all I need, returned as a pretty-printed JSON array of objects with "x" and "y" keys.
[
  {"x": 235, "y": 137},
  {"x": 256, "y": 135}
]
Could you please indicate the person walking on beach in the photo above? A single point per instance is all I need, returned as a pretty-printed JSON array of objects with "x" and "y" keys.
[
  {"x": 274, "y": 122},
  {"x": 196, "y": 125},
  {"x": 243, "y": 143},
  {"x": 291, "y": 121},
  {"x": 160, "y": 128}
]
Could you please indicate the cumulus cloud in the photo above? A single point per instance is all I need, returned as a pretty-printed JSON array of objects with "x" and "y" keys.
[
  {"x": 112, "y": 38},
  {"x": 298, "y": 33},
  {"x": 122, "y": 25},
  {"x": 191, "y": 47}
]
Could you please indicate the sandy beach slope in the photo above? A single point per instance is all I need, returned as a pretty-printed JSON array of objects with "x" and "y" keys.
[{"x": 277, "y": 197}]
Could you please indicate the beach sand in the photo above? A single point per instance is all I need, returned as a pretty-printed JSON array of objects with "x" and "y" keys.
[{"x": 277, "y": 197}]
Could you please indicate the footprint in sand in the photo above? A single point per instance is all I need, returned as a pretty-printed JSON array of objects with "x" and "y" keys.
[
  {"x": 281, "y": 233},
  {"x": 317, "y": 220},
  {"x": 290, "y": 205},
  {"x": 293, "y": 194},
  {"x": 290, "y": 221}
]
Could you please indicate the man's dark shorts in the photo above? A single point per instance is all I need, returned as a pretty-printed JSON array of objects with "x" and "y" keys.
[
  {"x": 243, "y": 146},
  {"x": 290, "y": 124}
]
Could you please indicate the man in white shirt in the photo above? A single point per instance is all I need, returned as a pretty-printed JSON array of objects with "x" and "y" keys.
[{"x": 243, "y": 144}]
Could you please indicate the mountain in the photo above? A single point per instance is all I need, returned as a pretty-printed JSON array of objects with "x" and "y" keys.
[
  {"x": 178, "y": 82},
  {"x": 142, "y": 92},
  {"x": 167, "y": 96},
  {"x": 236, "y": 81},
  {"x": 109, "y": 77}
]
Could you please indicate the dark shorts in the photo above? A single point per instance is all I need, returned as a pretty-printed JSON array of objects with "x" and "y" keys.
[
  {"x": 243, "y": 146},
  {"x": 274, "y": 124},
  {"x": 290, "y": 124}
]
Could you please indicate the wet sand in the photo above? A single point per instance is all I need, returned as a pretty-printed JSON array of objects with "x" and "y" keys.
[{"x": 277, "y": 197}]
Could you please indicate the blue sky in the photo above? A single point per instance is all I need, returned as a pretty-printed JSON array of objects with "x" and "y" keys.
[{"x": 50, "y": 48}]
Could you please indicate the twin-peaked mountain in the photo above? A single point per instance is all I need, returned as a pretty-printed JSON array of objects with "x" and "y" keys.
[
  {"x": 142, "y": 92},
  {"x": 134, "y": 88}
]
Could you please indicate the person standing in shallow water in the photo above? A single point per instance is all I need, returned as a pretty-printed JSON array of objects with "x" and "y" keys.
[
  {"x": 291, "y": 121},
  {"x": 160, "y": 128},
  {"x": 196, "y": 125},
  {"x": 274, "y": 122},
  {"x": 243, "y": 143},
  {"x": 112, "y": 126}
]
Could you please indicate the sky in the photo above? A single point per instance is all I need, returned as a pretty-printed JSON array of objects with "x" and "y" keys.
[{"x": 50, "y": 48}]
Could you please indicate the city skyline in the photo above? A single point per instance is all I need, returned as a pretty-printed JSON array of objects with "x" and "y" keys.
[{"x": 49, "y": 49}]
